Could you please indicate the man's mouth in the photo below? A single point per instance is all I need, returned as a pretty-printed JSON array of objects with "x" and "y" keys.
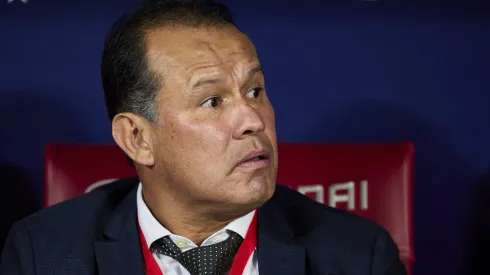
[{"x": 255, "y": 160}]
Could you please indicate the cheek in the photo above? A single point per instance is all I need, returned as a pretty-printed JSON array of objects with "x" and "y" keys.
[
  {"x": 269, "y": 119},
  {"x": 205, "y": 133},
  {"x": 270, "y": 131},
  {"x": 198, "y": 142},
  {"x": 201, "y": 152},
  {"x": 268, "y": 112}
]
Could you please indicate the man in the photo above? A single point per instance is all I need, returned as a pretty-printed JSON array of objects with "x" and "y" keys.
[{"x": 185, "y": 91}]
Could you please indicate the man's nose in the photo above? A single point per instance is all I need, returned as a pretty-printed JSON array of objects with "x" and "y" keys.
[{"x": 249, "y": 121}]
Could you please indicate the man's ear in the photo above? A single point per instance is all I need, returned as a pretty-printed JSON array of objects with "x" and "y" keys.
[{"x": 133, "y": 135}]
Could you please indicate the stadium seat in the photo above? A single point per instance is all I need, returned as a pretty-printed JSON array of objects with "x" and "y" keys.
[{"x": 371, "y": 180}]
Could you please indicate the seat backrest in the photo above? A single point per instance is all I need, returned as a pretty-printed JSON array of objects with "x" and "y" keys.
[
  {"x": 74, "y": 169},
  {"x": 370, "y": 180}
]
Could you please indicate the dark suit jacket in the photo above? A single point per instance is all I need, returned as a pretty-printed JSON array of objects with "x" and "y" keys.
[
  {"x": 14, "y": 183},
  {"x": 97, "y": 233}
]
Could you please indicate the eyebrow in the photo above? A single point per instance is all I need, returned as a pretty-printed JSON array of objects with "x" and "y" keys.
[{"x": 252, "y": 72}]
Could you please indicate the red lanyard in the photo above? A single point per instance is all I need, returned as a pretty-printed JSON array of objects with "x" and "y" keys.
[{"x": 244, "y": 252}]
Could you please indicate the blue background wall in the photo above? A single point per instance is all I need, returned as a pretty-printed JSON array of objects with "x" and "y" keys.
[{"x": 336, "y": 71}]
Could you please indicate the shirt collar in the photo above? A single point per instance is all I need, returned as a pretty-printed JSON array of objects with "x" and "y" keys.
[{"x": 154, "y": 230}]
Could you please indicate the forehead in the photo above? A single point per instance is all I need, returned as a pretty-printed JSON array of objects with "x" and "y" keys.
[{"x": 186, "y": 51}]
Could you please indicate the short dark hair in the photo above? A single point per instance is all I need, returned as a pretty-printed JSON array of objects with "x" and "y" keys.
[{"x": 129, "y": 85}]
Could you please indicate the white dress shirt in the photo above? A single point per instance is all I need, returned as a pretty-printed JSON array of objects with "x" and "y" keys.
[{"x": 153, "y": 230}]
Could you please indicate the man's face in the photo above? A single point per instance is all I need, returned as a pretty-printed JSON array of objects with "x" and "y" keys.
[{"x": 215, "y": 142}]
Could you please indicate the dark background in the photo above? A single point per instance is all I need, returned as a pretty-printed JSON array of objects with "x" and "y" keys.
[{"x": 347, "y": 70}]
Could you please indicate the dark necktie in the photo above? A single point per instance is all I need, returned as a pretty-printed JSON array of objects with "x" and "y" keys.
[{"x": 203, "y": 260}]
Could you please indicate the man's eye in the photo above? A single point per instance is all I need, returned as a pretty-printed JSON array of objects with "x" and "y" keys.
[
  {"x": 254, "y": 93},
  {"x": 212, "y": 102}
]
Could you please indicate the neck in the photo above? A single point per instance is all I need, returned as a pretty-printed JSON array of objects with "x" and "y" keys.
[{"x": 183, "y": 219}]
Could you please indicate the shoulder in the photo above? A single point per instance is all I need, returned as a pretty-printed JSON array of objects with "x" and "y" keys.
[
  {"x": 64, "y": 234},
  {"x": 336, "y": 238},
  {"x": 310, "y": 218},
  {"x": 86, "y": 214}
]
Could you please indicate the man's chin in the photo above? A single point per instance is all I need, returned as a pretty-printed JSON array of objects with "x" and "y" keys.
[{"x": 257, "y": 193}]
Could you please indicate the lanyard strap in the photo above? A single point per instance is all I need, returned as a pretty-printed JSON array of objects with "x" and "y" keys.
[{"x": 243, "y": 255}]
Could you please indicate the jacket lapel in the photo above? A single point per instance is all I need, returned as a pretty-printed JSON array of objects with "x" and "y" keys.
[
  {"x": 278, "y": 249},
  {"x": 119, "y": 253}
]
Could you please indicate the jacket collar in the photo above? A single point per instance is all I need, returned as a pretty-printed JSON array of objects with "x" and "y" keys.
[
  {"x": 120, "y": 250},
  {"x": 279, "y": 251},
  {"x": 279, "y": 248}
]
